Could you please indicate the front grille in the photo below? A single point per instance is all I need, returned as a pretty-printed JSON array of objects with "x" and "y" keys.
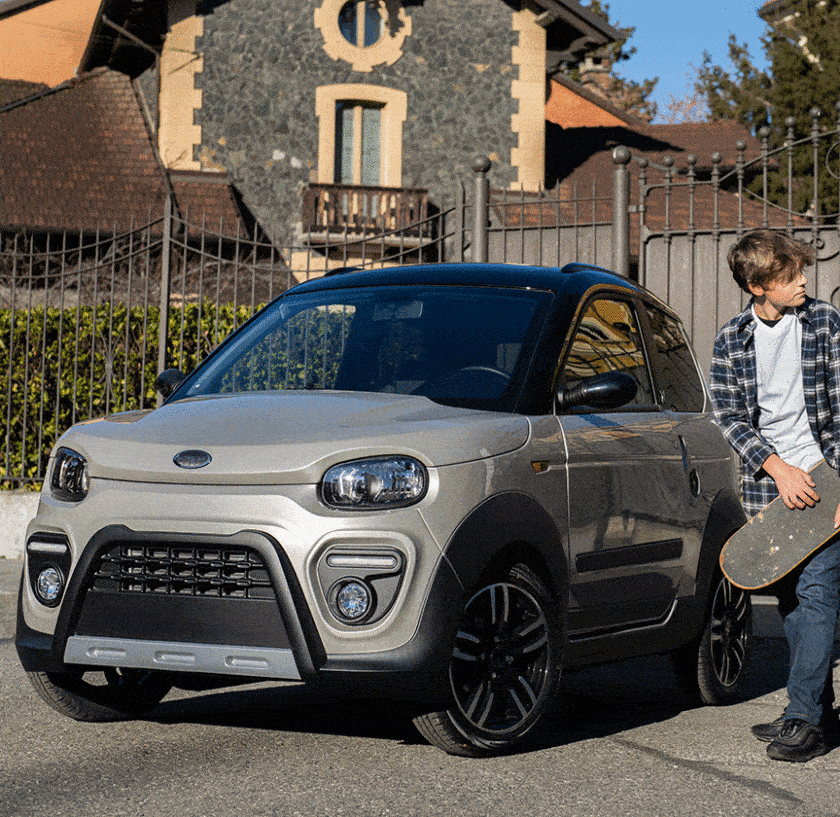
[{"x": 182, "y": 570}]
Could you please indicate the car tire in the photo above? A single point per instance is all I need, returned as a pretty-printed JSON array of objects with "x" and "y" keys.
[
  {"x": 102, "y": 695},
  {"x": 504, "y": 669},
  {"x": 715, "y": 667}
]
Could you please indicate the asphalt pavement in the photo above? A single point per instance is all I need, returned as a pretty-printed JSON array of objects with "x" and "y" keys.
[{"x": 625, "y": 740}]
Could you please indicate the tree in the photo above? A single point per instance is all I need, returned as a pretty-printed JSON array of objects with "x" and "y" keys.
[
  {"x": 742, "y": 95},
  {"x": 690, "y": 108},
  {"x": 598, "y": 72},
  {"x": 802, "y": 47}
]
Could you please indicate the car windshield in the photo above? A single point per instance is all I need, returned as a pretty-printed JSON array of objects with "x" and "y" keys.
[{"x": 465, "y": 346}]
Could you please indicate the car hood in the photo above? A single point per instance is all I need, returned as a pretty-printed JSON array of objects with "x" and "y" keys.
[{"x": 287, "y": 437}]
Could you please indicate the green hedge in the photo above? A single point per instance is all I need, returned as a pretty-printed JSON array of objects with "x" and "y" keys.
[{"x": 58, "y": 367}]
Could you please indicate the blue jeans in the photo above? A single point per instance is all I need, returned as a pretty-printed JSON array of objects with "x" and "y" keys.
[{"x": 809, "y": 626}]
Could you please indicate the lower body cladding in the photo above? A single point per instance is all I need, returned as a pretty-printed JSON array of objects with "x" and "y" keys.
[
  {"x": 181, "y": 657},
  {"x": 226, "y": 606}
]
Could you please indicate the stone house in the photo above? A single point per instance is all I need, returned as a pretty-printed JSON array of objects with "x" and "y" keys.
[
  {"x": 286, "y": 97},
  {"x": 326, "y": 116},
  {"x": 327, "y": 95}
]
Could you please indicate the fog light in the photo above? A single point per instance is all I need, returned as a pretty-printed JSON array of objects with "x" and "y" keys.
[
  {"x": 49, "y": 585},
  {"x": 353, "y": 600}
]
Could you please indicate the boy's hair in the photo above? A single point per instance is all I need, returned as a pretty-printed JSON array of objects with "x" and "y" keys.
[{"x": 763, "y": 257}]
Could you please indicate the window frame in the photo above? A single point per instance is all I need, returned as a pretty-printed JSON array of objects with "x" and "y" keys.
[
  {"x": 361, "y": 142},
  {"x": 394, "y": 110},
  {"x": 387, "y": 49}
]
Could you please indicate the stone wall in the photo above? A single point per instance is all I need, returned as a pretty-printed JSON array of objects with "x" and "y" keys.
[{"x": 263, "y": 60}]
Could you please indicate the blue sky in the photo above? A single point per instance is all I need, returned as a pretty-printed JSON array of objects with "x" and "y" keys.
[{"x": 670, "y": 38}]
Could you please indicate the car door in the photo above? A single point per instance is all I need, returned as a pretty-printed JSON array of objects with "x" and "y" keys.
[{"x": 626, "y": 480}]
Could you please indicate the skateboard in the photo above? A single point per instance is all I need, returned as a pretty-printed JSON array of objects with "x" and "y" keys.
[{"x": 777, "y": 539}]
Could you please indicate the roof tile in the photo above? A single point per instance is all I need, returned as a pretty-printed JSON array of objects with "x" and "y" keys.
[{"x": 81, "y": 156}]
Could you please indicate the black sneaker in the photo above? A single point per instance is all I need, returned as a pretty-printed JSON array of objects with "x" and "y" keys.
[
  {"x": 830, "y": 725},
  {"x": 769, "y": 731},
  {"x": 798, "y": 742}
]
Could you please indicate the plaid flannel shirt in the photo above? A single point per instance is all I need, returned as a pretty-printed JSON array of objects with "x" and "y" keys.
[{"x": 734, "y": 391}]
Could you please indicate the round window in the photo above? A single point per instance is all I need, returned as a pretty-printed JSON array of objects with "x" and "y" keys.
[
  {"x": 360, "y": 22},
  {"x": 364, "y": 33}
]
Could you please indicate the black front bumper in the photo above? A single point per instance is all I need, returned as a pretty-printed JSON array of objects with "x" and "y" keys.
[{"x": 159, "y": 614}]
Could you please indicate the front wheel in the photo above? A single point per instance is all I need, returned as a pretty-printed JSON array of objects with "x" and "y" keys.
[
  {"x": 504, "y": 668},
  {"x": 715, "y": 668},
  {"x": 109, "y": 694}
]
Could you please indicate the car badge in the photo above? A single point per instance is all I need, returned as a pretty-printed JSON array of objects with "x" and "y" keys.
[{"x": 192, "y": 459}]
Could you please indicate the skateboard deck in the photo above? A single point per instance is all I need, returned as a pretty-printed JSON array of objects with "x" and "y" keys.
[{"x": 778, "y": 539}]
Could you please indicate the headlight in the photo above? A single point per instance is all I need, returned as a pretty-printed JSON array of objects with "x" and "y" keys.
[
  {"x": 381, "y": 482},
  {"x": 70, "y": 480}
]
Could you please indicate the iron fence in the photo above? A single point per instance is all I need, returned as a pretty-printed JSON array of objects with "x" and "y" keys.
[
  {"x": 686, "y": 222},
  {"x": 89, "y": 318}
]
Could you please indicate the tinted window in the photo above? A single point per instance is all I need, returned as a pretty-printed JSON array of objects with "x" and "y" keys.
[
  {"x": 607, "y": 339},
  {"x": 465, "y": 346},
  {"x": 675, "y": 371}
]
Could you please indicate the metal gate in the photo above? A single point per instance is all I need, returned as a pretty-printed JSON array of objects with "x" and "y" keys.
[{"x": 88, "y": 319}]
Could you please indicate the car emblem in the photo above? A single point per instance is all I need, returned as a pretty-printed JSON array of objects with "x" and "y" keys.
[{"x": 192, "y": 459}]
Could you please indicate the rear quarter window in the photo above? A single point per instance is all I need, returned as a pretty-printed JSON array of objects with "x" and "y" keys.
[{"x": 677, "y": 378}]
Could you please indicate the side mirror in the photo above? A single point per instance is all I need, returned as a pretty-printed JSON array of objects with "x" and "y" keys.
[
  {"x": 169, "y": 380},
  {"x": 610, "y": 390}
]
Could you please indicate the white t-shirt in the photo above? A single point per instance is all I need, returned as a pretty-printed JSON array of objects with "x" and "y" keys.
[{"x": 783, "y": 418}]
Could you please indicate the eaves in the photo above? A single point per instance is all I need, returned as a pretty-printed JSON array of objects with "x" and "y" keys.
[
  {"x": 578, "y": 16},
  {"x": 11, "y": 7}
]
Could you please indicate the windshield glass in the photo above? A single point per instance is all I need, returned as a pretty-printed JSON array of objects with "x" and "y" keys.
[{"x": 465, "y": 346}]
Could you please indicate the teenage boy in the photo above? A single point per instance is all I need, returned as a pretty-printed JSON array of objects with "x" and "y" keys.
[{"x": 775, "y": 381}]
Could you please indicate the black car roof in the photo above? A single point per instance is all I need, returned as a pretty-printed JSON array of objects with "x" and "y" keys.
[{"x": 572, "y": 279}]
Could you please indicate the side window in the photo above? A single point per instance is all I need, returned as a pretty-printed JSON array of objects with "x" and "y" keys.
[
  {"x": 607, "y": 339},
  {"x": 676, "y": 375}
]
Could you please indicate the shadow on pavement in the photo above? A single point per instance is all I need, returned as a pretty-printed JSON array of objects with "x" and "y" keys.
[
  {"x": 293, "y": 708},
  {"x": 613, "y": 698},
  {"x": 596, "y": 702}
]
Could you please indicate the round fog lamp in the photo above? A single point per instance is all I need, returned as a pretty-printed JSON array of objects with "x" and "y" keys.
[
  {"x": 353, "y": 600},
  {"x": 49, "y": 585}
]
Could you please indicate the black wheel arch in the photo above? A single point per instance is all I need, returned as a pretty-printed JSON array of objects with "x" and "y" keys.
[
  {"x": 726, "y": 516},
  {"x": 503, "y": 530}
]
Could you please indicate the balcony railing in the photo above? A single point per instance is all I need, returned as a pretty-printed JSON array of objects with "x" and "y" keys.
[{"x": 393, "y": 215}]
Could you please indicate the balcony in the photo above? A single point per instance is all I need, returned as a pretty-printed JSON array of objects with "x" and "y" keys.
[{"x": 364, "y": 216}]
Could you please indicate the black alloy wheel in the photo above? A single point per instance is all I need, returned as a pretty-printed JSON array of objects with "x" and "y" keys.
[{"x": 504, "y": 668}]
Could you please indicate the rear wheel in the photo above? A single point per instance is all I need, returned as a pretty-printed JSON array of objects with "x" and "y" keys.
[
  {"x": 102, "y": 695},
  {"x": 715, "y": 667},
  {"x": 504, "y": 668}
]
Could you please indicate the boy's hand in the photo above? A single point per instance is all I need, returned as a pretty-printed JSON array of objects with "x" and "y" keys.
[{"x": 796, "y": 487}]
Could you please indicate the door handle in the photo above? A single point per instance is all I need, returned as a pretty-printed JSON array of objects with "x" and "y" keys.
[{"x": 693, "y": 476}]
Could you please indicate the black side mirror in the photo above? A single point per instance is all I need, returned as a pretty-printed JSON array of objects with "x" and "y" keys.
[
  {"x": 610, "y": 390},
  {"x": 169, "y": 380}
]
